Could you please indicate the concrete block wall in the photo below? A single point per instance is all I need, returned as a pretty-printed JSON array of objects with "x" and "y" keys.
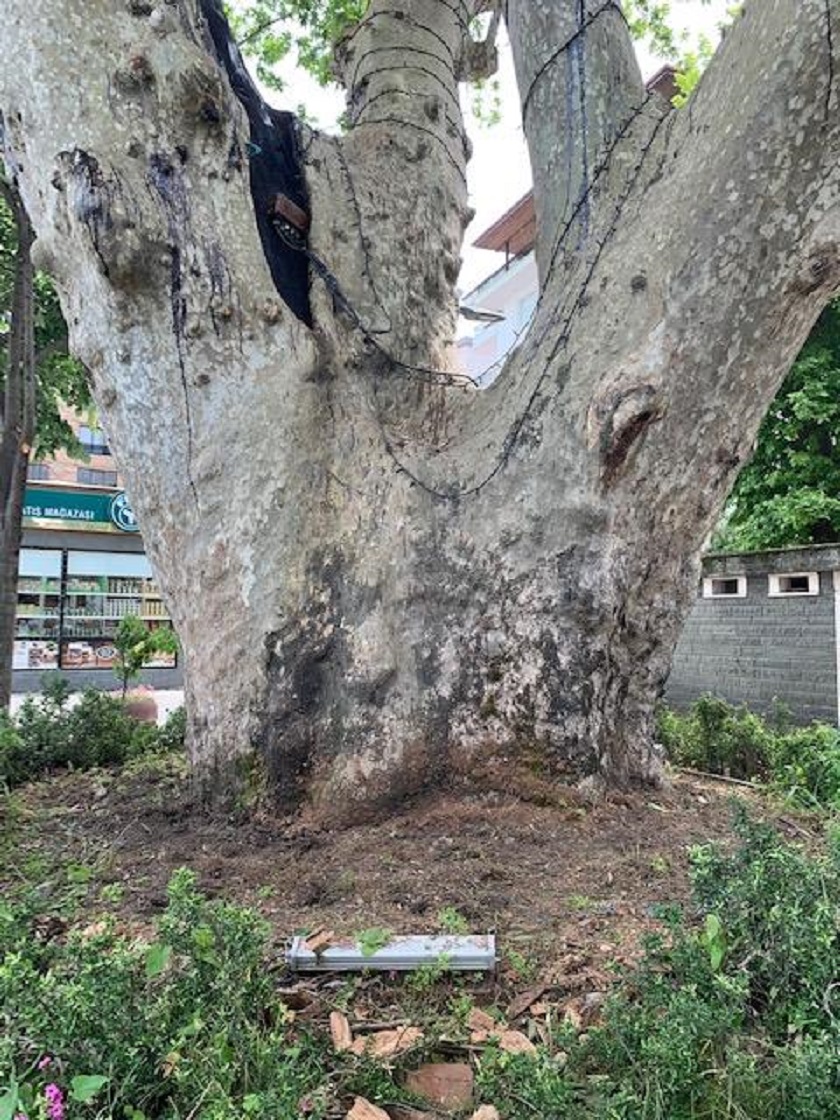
[{"x": 758, "y": 648}]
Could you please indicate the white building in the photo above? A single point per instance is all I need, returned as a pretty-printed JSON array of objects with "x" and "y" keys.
[{"x": 509, "y": 293}]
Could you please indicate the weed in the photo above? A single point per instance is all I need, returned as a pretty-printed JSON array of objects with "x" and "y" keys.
[
  {"x": 79, "y": 874},
  {"x": 371, "y": 940},
  {"x": 112, "y": 893},
  {"x": 452, "y": 921},
  {"x": 524, "y": 966},
  {"x": 424, "y": 978}
]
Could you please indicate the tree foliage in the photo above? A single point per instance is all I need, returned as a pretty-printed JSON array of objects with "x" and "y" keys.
[
  {"x": 789, "y": 493},
  {"x": 270, "y": 31}
]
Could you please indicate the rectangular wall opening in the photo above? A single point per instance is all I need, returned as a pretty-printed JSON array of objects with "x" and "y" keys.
[
  {"x": 725, "y": 587},
  {"x": 795, "y": 583}
]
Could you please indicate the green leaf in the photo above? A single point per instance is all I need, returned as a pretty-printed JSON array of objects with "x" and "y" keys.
[
  {"x": 157, "y": 958},
  {"x": 85, "y": 1087},
  {"x": 713, "y": 927},
  {"x": 371, "y": 940},
  {"x": 9, "y": 1102}
]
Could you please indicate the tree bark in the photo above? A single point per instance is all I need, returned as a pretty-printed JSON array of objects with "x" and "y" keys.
[
  {"x": 17, "y": 432},
  {"x": 378, "y": 575}
]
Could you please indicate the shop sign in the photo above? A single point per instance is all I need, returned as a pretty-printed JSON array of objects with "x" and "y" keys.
[{"x": 76, "y": 509}]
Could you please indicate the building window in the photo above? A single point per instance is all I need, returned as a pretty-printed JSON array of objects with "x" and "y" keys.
[
  {"x": 37, "y": 472},
  {"x": 795, "y": 583},
  {"x": 725, "y": 587},
  {"x": 93, "y": 441},
  {"x": 88, "y": 477}
]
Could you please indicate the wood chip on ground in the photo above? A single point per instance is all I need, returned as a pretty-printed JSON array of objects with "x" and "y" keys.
[
  {"x": 342, "y": 1036},
  {"x": 522, "y": 1002},
  {"x": 446, "y": 1085},
  {"x": 515, "y": 1042},
  {"x": 480, "y": 1021},
  {"x": 387, "y": 1044},
  {"x": 320, "y": 940},
  {"x": 364, "y": 1110}
]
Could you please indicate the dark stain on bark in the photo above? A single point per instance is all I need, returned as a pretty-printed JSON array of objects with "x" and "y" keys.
[
  {"x": 311, "y": 690},
  {"x": 621, "y": 443},
  {"x": 91, "y": 198},
  {"x": 822, "y": 270},
  {"x": 298, "y": 673},
  {"x": 165, "y": 179}
]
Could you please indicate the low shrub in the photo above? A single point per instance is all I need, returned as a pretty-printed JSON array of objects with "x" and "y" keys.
[
  {"x": 172, "y": 735},
  {"x": 805, "y": 766},
  {"x": 802, "y": 763},
  {"x": 186, "y": 1025},
  {"x": 734, "y": 1016},
  {"x": 48, "y": 734},
  {"x": 717, "y": 737}
]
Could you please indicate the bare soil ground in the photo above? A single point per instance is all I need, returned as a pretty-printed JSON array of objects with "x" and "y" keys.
[{"x": 569, "y": 888}]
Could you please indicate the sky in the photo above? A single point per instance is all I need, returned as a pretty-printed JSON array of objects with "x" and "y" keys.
[{"x": 499, "y": 172}]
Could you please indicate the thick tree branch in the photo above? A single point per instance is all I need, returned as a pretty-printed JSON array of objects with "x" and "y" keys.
[
  {"x": 744, "y": 250},
  {"x": 579, "y": 85},
  {"x": 395, "y": 254}
]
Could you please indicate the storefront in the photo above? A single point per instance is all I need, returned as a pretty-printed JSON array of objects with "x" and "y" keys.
[{"x": 82, "y": 569}]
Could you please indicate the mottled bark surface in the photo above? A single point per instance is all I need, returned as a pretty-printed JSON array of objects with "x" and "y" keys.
[{"x": 376, "y": 572}]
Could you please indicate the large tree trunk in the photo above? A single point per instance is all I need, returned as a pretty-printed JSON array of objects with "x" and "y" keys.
[
  {"x": 378, "y": 574},
  {"x": 17, "y": 431}
]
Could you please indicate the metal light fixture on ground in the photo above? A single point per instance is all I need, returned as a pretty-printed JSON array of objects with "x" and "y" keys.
[{"x": 469, "y": 953}]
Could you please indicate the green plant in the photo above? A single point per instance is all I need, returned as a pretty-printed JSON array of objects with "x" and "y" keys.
[
  {"x": 173, "y": 734},
  {"x": 524, "y": 965},
  {"x": 48, "y": 734},
  {"x": 802, "y": 763},
  {"x": 780, "y": 909},
  {"x": 14, "y": 765},
  {"x": 426, "y": 976},
  {"x": 112, "y": 893},
  {"x": 136, "y": 644},
  {"x": 717, "y": 737},
  {"x": 371, "y": 940},
  {"x": 789, "y": 493},
  {"x": 806, "y": 766},
  {"x": 452, "y": 921},
  {"x": 190, "y": 1023}
]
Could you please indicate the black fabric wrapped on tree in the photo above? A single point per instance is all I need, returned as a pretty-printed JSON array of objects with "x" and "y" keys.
[{"x": 275, "y": 165}]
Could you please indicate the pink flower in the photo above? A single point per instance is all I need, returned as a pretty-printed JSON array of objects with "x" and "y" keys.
[
  {"x": 55, "y": 1102},
  {"x": 21, "y": 1116},
  {"x": 44, "y": 1062}
]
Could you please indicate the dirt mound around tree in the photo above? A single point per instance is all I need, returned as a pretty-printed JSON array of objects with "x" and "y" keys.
[{"x": 568, "y": 888}]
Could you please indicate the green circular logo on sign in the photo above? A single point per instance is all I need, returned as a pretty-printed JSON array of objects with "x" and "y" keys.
[{"x": 122, "y": 514}]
